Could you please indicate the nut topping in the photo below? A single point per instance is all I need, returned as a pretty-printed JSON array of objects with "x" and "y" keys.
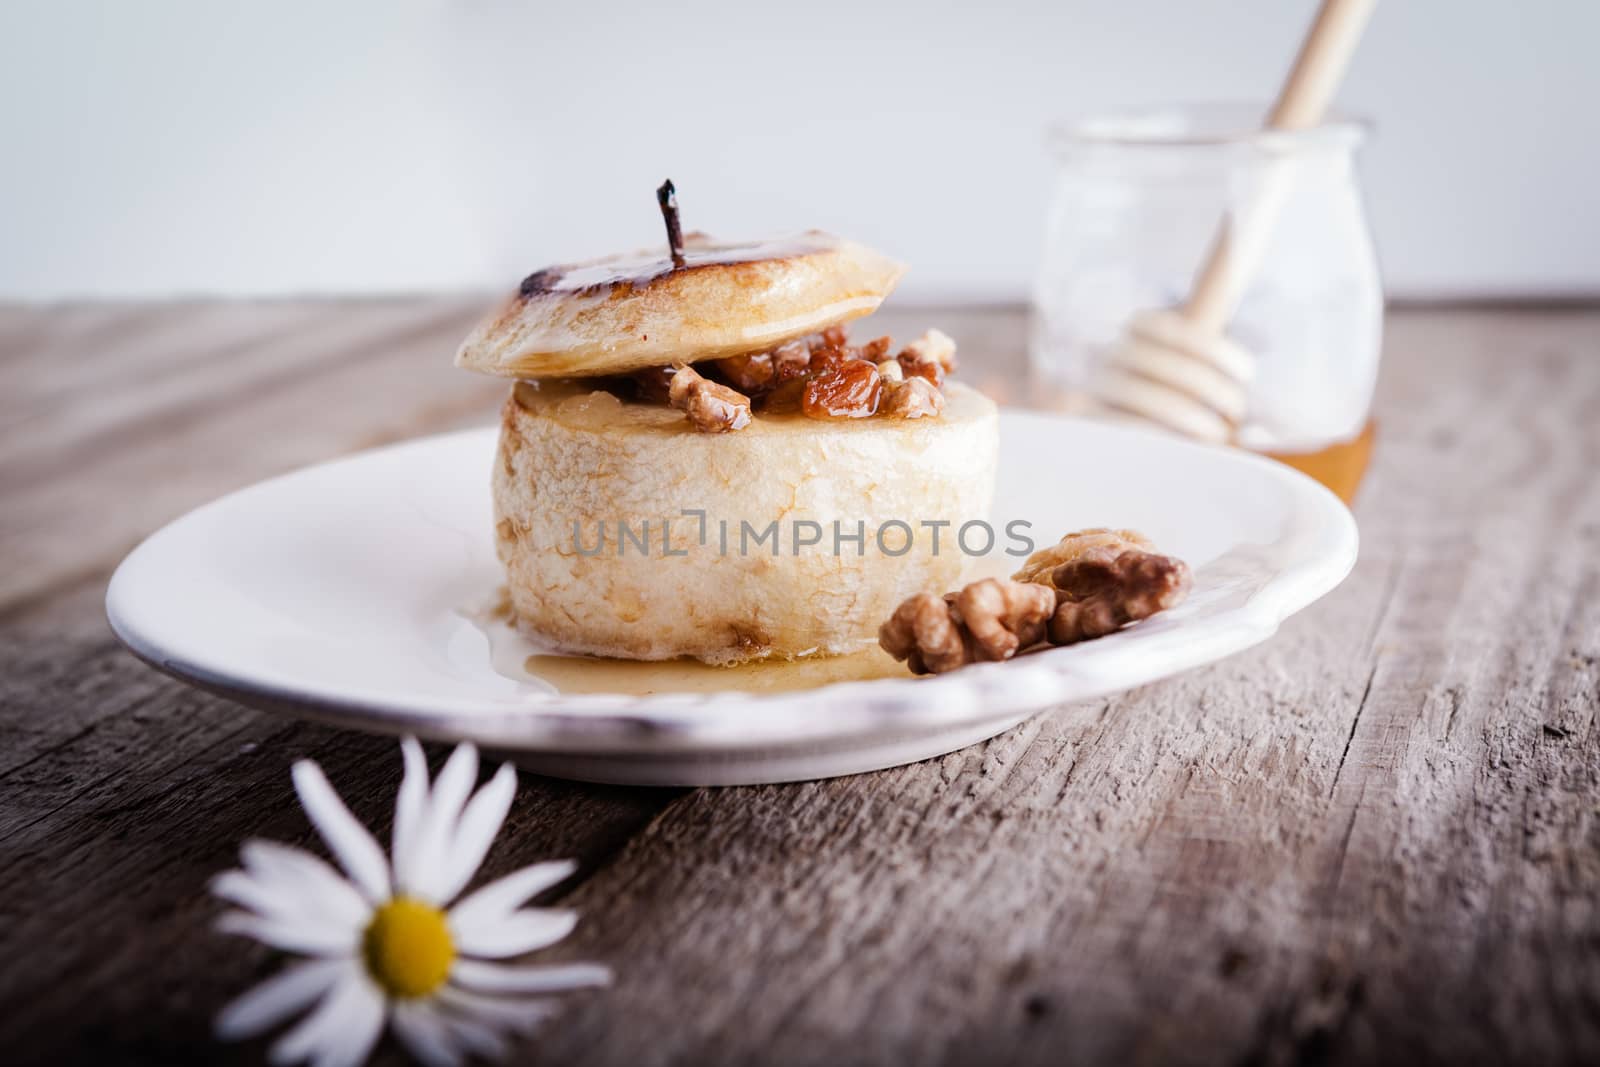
[
  {"x": 910, "y": 398},
  {"x": 931, "y": 356},
  {"x": 711, "y": 407},
  {"x": 756, "y": 373},
  {"x": 820, "y": 374}
]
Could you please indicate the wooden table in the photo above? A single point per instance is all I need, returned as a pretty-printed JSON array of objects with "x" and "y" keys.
[{"x": 1376, "y": 837}]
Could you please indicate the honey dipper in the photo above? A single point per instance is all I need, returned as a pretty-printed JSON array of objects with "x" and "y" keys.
[{"x": 1175, "y": 367}]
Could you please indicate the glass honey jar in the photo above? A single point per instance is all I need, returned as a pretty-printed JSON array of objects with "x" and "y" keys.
[{"x": 1191, "y": 236}]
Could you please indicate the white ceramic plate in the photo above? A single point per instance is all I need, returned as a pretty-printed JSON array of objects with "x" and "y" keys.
[{"x": 337, "y": 592}]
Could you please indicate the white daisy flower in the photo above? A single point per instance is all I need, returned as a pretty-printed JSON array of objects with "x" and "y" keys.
[{"x": 384, "y": 942}]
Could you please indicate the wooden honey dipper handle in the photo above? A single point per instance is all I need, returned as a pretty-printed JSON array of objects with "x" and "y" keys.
[{"x": 1301, "y": 103}]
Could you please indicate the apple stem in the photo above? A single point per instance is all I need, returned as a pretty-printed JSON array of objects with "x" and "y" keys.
[{"x": 667, "y": 197}]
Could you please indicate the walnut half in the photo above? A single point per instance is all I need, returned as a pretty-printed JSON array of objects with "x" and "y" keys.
[
  {"x": 991, "y": 620},
  {"x": 1105, "y": 589},
  {"x": 924, "y": 632},
  {"x": 1092, "y": 583},
  {"x": 1040, "y": 565}
]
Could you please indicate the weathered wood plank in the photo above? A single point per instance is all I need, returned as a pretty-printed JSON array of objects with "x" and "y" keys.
[
  {"x": 1311, "y": 851},
  {"x": 88, "y": 387},
  {"x": 1376, "y": 837},
  {"x": 385, "y": 378}
]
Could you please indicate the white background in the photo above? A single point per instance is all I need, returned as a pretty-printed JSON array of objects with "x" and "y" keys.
[{"x": 195, "y": 146}]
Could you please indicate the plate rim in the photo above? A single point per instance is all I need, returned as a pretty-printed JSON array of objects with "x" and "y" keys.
[{"x": 836, "y": 713}]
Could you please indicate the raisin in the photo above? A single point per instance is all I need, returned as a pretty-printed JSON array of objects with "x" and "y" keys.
[
  {"x": 790, "y": 361},
  {"x": 829, "y": 348},
  {"x": 836, "y": 336},
  {"x": 756, "y": 373},
  {"x": 850, "y": 390},
  {"x": 653, "y": 385},
  {"x": 877, "y": 350},
  {"x": 751, "y": 373},
  {"x": 784, "y": 400}
]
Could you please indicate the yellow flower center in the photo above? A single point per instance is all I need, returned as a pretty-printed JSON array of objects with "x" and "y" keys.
[{"x": 407, "y": 947}]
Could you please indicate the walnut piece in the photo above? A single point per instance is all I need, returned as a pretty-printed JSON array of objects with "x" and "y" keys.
[
  {"x": 991, "y": 620},
  {"x": 931, "y": 356},
  {"x": 826, "y": 377},
  {"x": 1039, "y": 565},
  {"x": 758, "y": 373},
  {"x": 1091, "y": 583},
  {"x": 1105, "y": 589},
  {"x": 751, "y": 374},
  {"x": 711, "y": 407},
  {"x": 910, "y": 398},
  {"x": 923, "y": 632},
  {"x": 821, "y": 374},
  {"x": 1004, "y": 617}
]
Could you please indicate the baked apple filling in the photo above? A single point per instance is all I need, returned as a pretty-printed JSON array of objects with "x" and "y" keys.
[{"x": 821, "y": 375}]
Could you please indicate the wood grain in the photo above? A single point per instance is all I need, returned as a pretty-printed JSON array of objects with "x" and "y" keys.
[{"x": 1375, "y": 838}]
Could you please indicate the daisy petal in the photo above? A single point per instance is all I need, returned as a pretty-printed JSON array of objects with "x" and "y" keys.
[
  {"x": 475, "y": 833},
  {"x": 409, "y": 806},
  {"x": 515, "y": 934},
  {"x": 423, "y": 1033},
  {"x": 290, "y": 935},
  {"x": 237, "y": 887},
  {"x": 346, "y": 838},
  {"x": 266, "y": 1005},
  {"x": 284, "y": 906},
  {"x": 501, "y": 897},
  {"x": 354, "y": 1005},
  {"x": 521, "y": 1015},
  {"x": 477, "y": 1038},
  {"x": 359, "y": 1029},
  {"x": 431, "y": 853},
  {"x": 538, "y": 978},
  {"x": 291, "y": 874}
]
